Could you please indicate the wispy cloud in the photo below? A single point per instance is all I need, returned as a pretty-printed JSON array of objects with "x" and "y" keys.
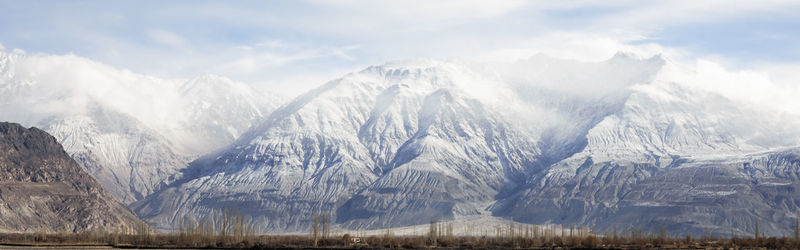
[{"x": 166, "y": 38}]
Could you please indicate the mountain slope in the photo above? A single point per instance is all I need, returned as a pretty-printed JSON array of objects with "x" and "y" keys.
[
  {"x": 42, "y": 188},
  {"x": 460, "y": 157},
  {"x": 118, "y": 150}
]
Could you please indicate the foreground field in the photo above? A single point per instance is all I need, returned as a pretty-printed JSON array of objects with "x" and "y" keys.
[{"x": 436, "y": 239}]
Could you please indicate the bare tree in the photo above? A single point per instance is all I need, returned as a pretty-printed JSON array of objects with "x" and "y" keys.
[
  {"x": 756, "y": 231},
  {"x": 432, "y": 232},
  {"x": 315, "y": 229},
  {"x": 325, "y": 226}
]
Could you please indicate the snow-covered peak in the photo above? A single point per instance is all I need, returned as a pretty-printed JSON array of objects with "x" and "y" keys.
[
  {"x": 207, "y": 89},
  {"x": 420, "y": 74},
  {"x": 210, "y": 83},
  {"x": 417, "y": 63},
  {"x": 207, "y": 80},
  {"x": 131, "y": 131},
  {"x": 218, "y": 110}
]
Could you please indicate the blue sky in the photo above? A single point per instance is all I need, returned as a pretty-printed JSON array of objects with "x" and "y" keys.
[{"x": 291, "y": 46}]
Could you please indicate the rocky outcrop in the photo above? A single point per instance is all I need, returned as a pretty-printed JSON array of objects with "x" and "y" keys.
[{"x": 42, "y": 188}]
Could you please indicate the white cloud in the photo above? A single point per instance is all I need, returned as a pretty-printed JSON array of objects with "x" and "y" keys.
[
  {"x": 166, "y": 38},
  {"x": 253, "y": 57},
  {"x": 568, "y": 45},
  {"x": 77, "y": 81},
  {"x": 787, "y": 74},
  {"x": 425, "y": 11},
  {"x": 753, "y": 87}
]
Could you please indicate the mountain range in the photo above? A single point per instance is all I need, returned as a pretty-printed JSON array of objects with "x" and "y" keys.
[{"x": 628, "y": 142}]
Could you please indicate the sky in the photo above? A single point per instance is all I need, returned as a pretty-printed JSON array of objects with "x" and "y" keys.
[{"x": 292, "y": 46}]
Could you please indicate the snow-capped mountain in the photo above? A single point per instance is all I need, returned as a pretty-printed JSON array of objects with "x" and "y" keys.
[
  {"x": 130, "y": 131},
  {"x": 542, "y": 140},
  {"x": 675, "y": 157},
  {"x": 383, "y": 133}
]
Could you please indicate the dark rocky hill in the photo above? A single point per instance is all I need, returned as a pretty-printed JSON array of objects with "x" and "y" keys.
[{"x": 42, "y": 188}]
